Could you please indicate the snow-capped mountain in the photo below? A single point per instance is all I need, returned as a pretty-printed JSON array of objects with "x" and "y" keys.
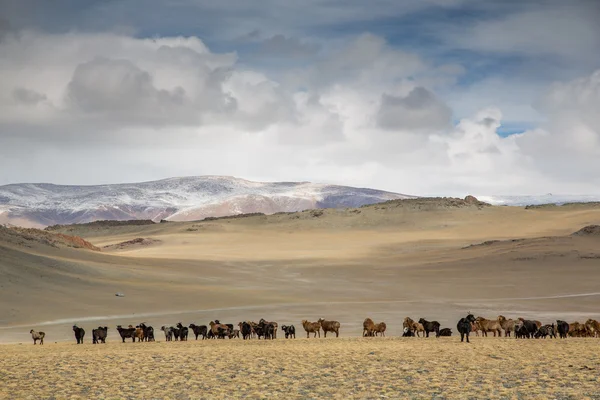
[
  {"x": 174, "y": 199},
  {"x": 549, "y": 198}
]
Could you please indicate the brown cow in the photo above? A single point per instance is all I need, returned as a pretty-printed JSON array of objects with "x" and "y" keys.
[
  {"x": 139, "y": 333},
  {"x": 380, "y": 328},
  {"x": 507, "y": 324},
  {"x": 413, "y": 326},
  {"x": 489, "y": 326},
  {"x": 593, "y": 327},
  {"x": 219, "y": 330},
  {"x": 475, "y": 328},
  {"x": 576, "y": 329},
  {"x": 368, "y": 327},
  {"x": 330, "y": 326},
  {"x": 311, "y": 327}
]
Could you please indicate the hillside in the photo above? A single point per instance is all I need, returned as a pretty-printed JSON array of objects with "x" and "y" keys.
[{"x": 175, "y": 199}]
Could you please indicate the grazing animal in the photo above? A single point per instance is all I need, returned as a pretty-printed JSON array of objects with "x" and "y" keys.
[
  {"x": 246, "y": 330},
  {"x": 139, "y": 333},
  {"x": 330, "y": 326},
  {"x": 183, "y": 332},
  {"x": 270, "y": 328},
  {"x": 544, "y": 331},
  {"x": 475, "y": 328},
  {"x": 289, "y": 330},
  {"x": 464, "y": 326},
  {"x": 416, "y": 327},
  {"x": 507, "y": 324},
  {"x": 37, "y": 336},
  {"x": 380, "y": 328},
  {"x": 199, "y": 330},
  {"x": 79, "y": 334},
  {"x": 525, "y": 328},
  {"x": 488, "y": 325},
  {"x": 312, "y": 327},
  {"x": 408, "y": 332},
  {"x": 563, "y": 328},
  {"x": 126, "y": 332},
  {"x": 168, "y": 330},
  {"x": 593, "y": 327},
  {"x": 99, "y": 335},
  {"x": 576, "y": 329},
  {"x": 148, "y": 332},
  {"x": 430, "y": 326},
  {"x": 445, "y": 332},
  {"x": 368, "y": 327},
  {"x": 219, "y": 330}
]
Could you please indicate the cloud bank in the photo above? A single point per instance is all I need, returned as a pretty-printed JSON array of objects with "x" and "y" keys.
[{"x": 87, "y": 107}]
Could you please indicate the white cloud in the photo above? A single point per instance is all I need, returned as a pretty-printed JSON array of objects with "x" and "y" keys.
[{"x": 127, "y": 109}]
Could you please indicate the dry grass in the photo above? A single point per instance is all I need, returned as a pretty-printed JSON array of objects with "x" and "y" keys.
[{"x": 330, "y": 368}]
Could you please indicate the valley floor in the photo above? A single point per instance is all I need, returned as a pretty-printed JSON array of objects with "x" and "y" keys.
[{"x": 344, "y": 368}]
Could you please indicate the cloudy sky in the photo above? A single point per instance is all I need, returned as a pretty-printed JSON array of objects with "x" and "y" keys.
[{"x": 429, "y": 97}]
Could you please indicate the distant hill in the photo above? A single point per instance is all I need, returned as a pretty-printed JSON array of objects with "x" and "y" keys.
[{"x": 174, "y": 199}]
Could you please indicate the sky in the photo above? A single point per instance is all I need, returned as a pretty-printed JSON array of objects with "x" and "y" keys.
[{"x": 423, "y": 97}]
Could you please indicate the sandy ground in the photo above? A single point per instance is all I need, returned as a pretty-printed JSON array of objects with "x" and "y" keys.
[
  {"x": 361, "y": 368},
  {"x": 383, "y": 261}
]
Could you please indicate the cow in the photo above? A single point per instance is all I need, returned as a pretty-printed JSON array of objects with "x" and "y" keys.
[
  {"x": 289, "y": 330},
  {"x": 168, "y": 330},
  {"x": 368, "y": 327},
  {"x": 445, "y": 332},
  {"x": 312, "y": 327},
  {"x": 79, "y": 334},
  {"x": 576, "y": 329},
  {"x": 126, "y": 332},
  {"x": 430, "y": 326},
  {"x": 183, "y": 332},
  {"x": 246, "y": 330},
  {"x": 593, "y": 327},
  {"x": 544, "y": 331},
  {"x": 475, "y": 328},
  {"x": 380, "y": 328},
  {"x": 199, "y": 330},
  {"x": 37, "y": 336},
  {"x": 489, "y": 326},
  {"x": 525, "y": 328},
  {"x": 413, "y": 326},
  {"x": 330, "y": 326},
  {"x": 148, "y": 332},
  {"x": 99, "y": 334},
  {"x": 139, "y": 333},
  {"x": 507, "y": 324},
  {"x": 271, "y": 327},
  {"x": 407, "y": 332},
  {"x": 563, "y": 328},
  {"x": 219, "y": 330},
  {"x": 464, "y": 326}
]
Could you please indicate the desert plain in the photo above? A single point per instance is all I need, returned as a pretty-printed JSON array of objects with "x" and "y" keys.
[{"x": 431, "y": 258}]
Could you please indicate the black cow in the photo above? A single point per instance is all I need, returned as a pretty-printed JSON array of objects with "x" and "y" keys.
[
  {"x": 525, "y": 329},
  {"x": 176, "y": 331},
  {"x": 432, "y": 326},
  {"x": 199, "y": 330},
  {"x": 183, "y": 332},
  {"x": 148, "y": 332},
  {"x": 246, "y": 330},
  {"x": 445, "y": 332},
  {"x": 563, "y": 328},
  {"x": 408, "y": 332},
  {"x": 544, "y": 331},
  {"x": 464, "y": 326},
  {"x": 79, "y": 334},
  {"x": 126, "y": 332},
  {"x": 290, "y": 331},
  {"x": 99, "y": 334}
]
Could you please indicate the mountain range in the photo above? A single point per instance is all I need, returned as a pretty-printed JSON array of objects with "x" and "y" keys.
[{"x": 173, "y": 199}]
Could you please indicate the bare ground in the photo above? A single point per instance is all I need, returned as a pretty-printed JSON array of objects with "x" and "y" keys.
[{"x": 398, "y": 368}]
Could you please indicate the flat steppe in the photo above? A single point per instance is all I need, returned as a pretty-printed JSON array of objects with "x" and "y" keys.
[{"x": 437, "y": 259}]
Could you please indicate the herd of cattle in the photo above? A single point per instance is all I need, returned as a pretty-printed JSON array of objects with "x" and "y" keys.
[{"x": 519, "y": 328}]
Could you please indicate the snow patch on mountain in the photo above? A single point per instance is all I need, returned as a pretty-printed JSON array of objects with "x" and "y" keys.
[{"x": 178, "y": 199}]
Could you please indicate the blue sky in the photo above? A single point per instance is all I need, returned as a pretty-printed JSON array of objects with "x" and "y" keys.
[{"x": 326, "y": 90}]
